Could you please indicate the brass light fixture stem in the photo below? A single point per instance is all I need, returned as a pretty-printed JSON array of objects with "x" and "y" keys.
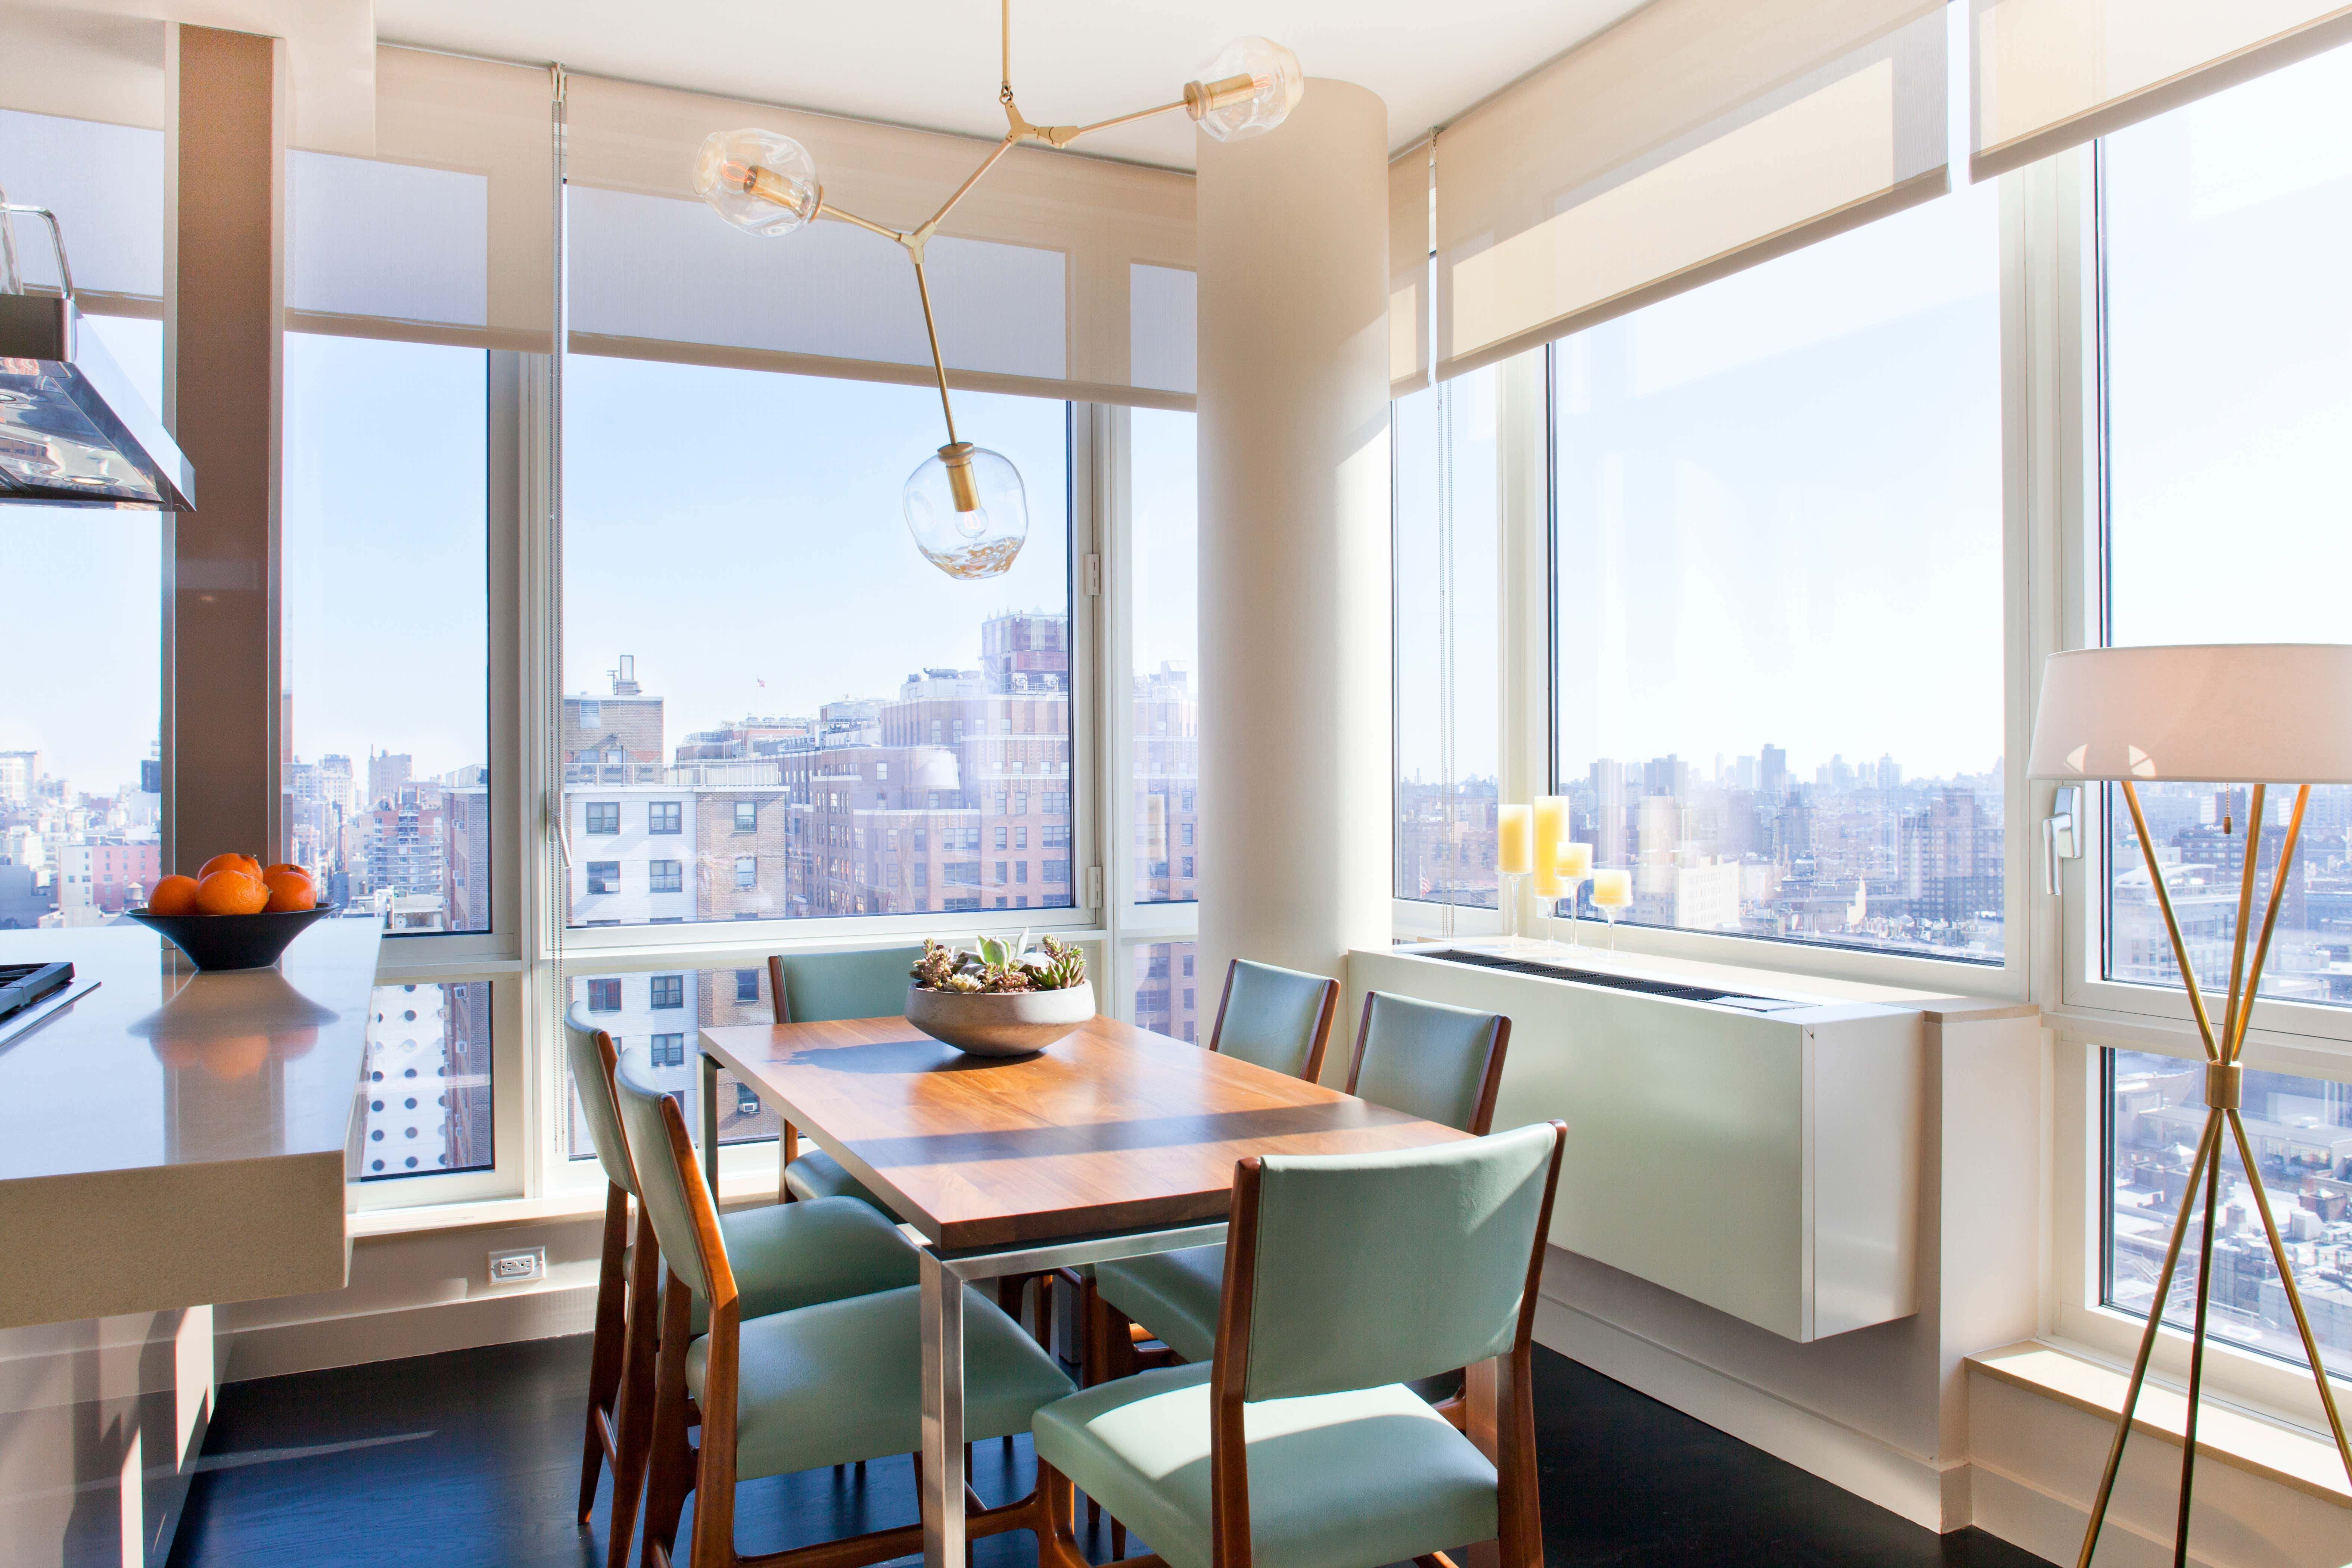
[
  {"x": 938, "y": 365},
  {"x": 1011, "y": 138},
  {"x": 826, "y": 209},
  {"x": 2235, "y": 1046},
  {"x": 2197, "y": 1340},
  {"x": 2238, "y": 991},
  {"x": 2208, "y": 1148},
  {"x": 2171, "y": 925}
]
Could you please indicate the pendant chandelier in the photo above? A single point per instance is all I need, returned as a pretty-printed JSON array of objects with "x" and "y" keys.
[{"x": 966, "y": 507}]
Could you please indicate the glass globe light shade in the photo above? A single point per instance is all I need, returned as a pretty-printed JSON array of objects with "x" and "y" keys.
[
  {"x": 1248, "y": 89},
  {"x": 759, "y": 181},
  {"x": 968, "y": 511}
]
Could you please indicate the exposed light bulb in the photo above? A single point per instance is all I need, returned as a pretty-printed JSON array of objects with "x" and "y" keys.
[
  {"x": 968, "y": 510},
  {"x": 1248, "y": 89},
  {"x": 763, "y": 182}
]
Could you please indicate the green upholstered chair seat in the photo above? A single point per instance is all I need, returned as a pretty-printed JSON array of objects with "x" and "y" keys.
[
  {"x": 1173, "y": 1295},
  {"x": 817, "y": 1174},
  {"x": 796, "y": 1255},
  {"x": 1337, "y": 1480},
  {"x": 843, "y": 1381}
]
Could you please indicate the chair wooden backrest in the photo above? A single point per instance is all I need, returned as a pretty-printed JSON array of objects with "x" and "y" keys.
[
  {"x": 812, "y": 988},
  {"x": 592, "y": 1079},
  {"x": 1275, "y": 1017},
  {"x": 1441, "y": 1064},
  {"x": 1316, "y": 1303}
]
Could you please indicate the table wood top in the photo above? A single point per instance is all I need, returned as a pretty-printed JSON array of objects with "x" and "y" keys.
[{"x": 1113, "y": 1128}]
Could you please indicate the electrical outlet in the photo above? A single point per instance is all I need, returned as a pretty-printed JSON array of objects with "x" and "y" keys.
[{"x": 519, "y": 1267}]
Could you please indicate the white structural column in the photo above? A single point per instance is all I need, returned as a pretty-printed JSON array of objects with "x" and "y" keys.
[{"x": 1294, "y": 529}]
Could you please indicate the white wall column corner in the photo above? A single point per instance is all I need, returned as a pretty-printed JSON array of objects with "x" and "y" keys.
[{"x": 1293, "y": 527}]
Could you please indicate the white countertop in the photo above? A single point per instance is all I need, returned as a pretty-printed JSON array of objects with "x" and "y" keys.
[{"x": 172, "y": 1139}]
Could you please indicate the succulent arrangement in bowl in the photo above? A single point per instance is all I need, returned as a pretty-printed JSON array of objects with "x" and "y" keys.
[
  {"x": 1005, "y": 999},
  {"x": 999, "y": 966}
]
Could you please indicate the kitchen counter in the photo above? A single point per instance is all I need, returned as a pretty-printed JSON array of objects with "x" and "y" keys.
[{"x": 171, "y": 1138}]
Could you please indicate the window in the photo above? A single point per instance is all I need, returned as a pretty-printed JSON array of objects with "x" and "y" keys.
[
  {"x": 1448, "y": 756},
  {"x": 999, "y": 836},
  {"x": 603, "y": 816},
  {"x": 428, "y": 1089},
  {"x": 747, "y": 871},
  {"x": 603, "y": 995},
  {"x": 1058, "y": 805},
  {"x": 747, "y": 986},
  {"x": 1020, "y": 870},
  {"x": 96, "y": 734},
  {"x": 1779, "y": 580},
  {"x": 1163, "y": 594},
  {"x": 592, "y": 712},
  {"x": 674, "y": 1007},
  {"x": 875, "y": 611},
  {"x": 668, "y": 1050},
  {"x": 2301, "y": 1129},
  {"x": 1021, "y": 838},
  {"x": 1051, "y": 837},
  {"x": 1056, "y": 871},
  {"x": 664, "y": 876},
  {"x": 1159, "y": 1007},
  {"x": 387, "y": 759},
  {"x": 665, "y": 816},
  {"x": 603, "y": 876},
  {"x": 668, "y": 991},
  {"x": 1000, "y": 873},
  {"x": 2216, "y": 221}
]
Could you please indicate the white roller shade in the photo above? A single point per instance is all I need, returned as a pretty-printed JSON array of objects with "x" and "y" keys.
[
  {"x": 446, "y": 235},
  {"x": 1035, "y": 276},
  {"x": 2048, "y": 74},
  {"x": 1694, "y": 137}
]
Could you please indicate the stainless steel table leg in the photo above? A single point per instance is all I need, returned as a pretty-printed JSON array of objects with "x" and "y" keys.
[
  {"x": 711, "y": 1123},
  {"x": 943, "y": 1479}
]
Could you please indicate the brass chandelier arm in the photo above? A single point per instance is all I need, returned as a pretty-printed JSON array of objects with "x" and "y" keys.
[
  {"x": 2208, "y": 1148},
  {"x": 826, "y": 209},
  {"x": 2239, "y": 993},
  {"x": 2294, "y": 1296},
  {"x": 938, "y": 365},
  {"x": 2172, "y": 925},
  {"x": 2235, "y": 1046}
]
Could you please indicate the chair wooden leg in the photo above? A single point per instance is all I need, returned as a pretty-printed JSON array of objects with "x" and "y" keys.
[
  {"x": 1521, "y": 1501},
  {"x": 1057, "y": 1546},
  {"x": 671, "y": 1474},
  {"x": 604, "y": 1358},
  {"x": 636, "y": 1417}
]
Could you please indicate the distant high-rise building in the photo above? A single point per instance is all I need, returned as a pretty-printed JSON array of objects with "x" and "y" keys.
[
  {"x": 387, "y": 770},
  {"x": 1774, "y": 783}
]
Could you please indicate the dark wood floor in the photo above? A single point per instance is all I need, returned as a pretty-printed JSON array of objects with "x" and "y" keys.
[{"x": 472, "y": 1457}]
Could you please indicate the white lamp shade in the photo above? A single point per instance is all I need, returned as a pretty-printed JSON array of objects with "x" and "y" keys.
[{"x": 2228, "y": 712}]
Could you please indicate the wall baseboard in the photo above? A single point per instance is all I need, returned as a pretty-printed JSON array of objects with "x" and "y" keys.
[
  {"x": 2050, "y": 1526},
  {"x": 1903, "y": 1483},
  {"x": 274, "y": 1349}
]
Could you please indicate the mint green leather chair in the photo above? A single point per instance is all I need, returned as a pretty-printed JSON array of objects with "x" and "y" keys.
[
  {"x": 1299, "y": 1445},
  {"x": 1277, "y": 1018},
  {"x": 811, "y": 988},
  {"x": 785, "y": 1257},
  {"x": 830, "y": 1383},
  {"x": 1440, "y": 1064}
]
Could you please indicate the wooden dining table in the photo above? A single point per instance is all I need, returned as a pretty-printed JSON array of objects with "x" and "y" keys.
[{"x": 1113, "y": 1142}]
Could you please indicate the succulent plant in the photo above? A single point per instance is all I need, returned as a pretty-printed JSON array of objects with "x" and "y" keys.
[{"x": 1000, "y": 966}]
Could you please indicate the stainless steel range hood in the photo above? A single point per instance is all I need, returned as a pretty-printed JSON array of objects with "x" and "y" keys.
[{"x": 73, "y": 430}]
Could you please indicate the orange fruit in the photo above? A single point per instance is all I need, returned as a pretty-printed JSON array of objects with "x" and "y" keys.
[
  {"x": 245, "y": 863},
  {"x": 231, "y": 893},
  {"x": 173, "y": 896},
  {"x": 283, "y": 866},
  {"x": 290, "y": 890}
]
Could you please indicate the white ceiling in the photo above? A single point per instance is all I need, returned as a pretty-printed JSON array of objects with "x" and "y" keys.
[{"x": 933, "y": 63}]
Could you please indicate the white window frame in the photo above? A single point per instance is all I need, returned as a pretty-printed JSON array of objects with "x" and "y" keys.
[{"x": 2058, "y": 402}]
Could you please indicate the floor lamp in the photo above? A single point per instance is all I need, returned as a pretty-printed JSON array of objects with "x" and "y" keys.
[{"x": 2235, "y": 713}]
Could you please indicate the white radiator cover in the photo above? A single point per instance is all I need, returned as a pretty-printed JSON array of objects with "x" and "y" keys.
[{"x": 1765, "y": 1164}]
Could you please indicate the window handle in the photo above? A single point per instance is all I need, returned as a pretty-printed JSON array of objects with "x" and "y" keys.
[{"x": 2061, "y": 838}]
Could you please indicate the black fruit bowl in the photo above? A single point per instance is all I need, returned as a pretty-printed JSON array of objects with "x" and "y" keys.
[{"x": 233, "y": 941}]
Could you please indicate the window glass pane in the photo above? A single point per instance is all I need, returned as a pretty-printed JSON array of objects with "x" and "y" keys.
[
  {"x": 2301, "y": 1129},
  {"x": 1165, "y": 592},
  {"x": 1167, "y": 992},
  {"x": 1448, "y": 615},
  {"x": 79, "y": 775},
  {"x": 2228, "y": 331},
  {"x": 384, "y": 750},
  {"x": 1779, "y": 592},
  {"x": 429, "y": 1108},
  {"x": 751, "y": 637},
  {"x": 662, "y": 1016}
]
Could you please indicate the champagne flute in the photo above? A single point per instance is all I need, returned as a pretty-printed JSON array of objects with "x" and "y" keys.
[{"x": 1572, "y": 867}]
